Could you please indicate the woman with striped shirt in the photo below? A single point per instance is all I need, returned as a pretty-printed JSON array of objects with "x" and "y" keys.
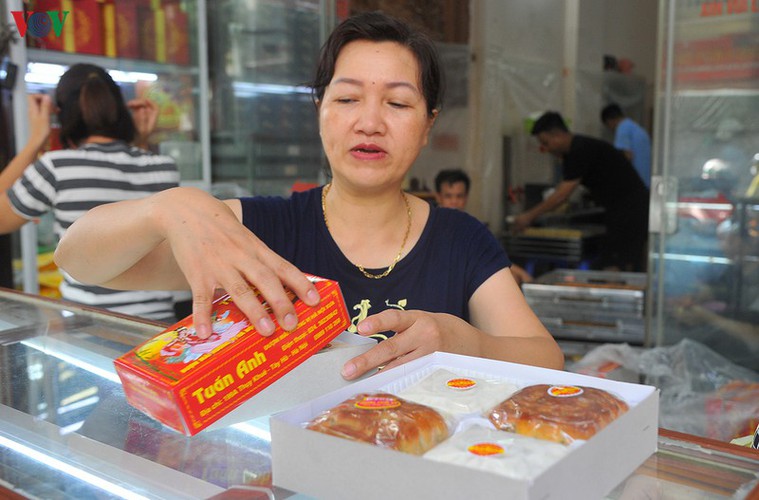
[{"x": 100, "y": 164}]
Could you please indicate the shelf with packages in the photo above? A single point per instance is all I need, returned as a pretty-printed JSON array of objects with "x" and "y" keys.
[{"x": 68, "y": 430}]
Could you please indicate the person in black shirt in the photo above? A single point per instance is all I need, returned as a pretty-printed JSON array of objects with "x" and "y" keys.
[{"x": 612, "y": 182}]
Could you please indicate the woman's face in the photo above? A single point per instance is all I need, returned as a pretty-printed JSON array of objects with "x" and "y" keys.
[{"x": 373, "y": 117}]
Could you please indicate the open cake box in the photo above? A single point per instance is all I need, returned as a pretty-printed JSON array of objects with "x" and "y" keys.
[{"x": 325, "y": 466}]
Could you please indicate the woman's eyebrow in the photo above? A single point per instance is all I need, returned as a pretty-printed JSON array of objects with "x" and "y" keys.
[{"x": 360, "y": 83}]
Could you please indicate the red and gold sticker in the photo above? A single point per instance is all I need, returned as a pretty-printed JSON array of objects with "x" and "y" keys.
[
  {"x": 486, "y": 449},
  {"x": 461, "y": 384},
  {"x": 377, "y": 403},
  {"x": 564, "y": 391}
]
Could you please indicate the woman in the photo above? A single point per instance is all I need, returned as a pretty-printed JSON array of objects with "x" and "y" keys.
[
  {"x": 98, "y": 166},
  {"x": 436, "y": 277}
]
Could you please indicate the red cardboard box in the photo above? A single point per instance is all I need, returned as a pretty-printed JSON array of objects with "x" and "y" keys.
[
  {"x": 127, "y": 41},
  {"x": 176, "y": 34},
  {"x": 85, "y": 34},
  {"x": 187, "y": 383}
]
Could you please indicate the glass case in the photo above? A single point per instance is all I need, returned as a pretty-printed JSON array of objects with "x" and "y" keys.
[
  {"x": 705, "y": 210},
  {"x": 64, "y": 416},
  {"x": 66, "y": 430}
]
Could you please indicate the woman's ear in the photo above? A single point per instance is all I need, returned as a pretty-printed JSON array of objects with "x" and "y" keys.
[{"x": 433, "y": 117}]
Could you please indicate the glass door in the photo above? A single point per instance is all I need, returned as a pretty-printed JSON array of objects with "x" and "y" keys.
[{"x": 705, "y": 212}]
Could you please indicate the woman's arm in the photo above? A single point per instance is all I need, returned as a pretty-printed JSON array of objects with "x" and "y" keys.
[
  {"x": 503, "y": 327},
  {"x": 183, "y": 238}
]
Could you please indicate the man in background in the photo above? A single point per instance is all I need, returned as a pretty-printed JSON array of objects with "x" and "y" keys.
[
  {"x": 631, "y": 138},
  {"x": 452, "y": 191},
  {"x": 452, "y": 188},
  {"x": 612, "y": 183}
]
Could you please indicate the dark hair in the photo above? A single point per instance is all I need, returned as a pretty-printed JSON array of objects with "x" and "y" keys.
[
  {"x": 379, "y": 27},
  {"x": 91, "y": 103},
  {"x": 611, "y": 112},
  {"x": 548, "y": 122},
  {"x": 451, "y": 177}
]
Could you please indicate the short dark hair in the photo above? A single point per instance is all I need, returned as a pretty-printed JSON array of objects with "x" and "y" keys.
[
  {"x": 548, "y": 122},
  {"x": 91, "y": 103},
  {"x": 379, "y": 27},
  {"x": 451, "y": 176},
  {"x": 611, "y": 112}
]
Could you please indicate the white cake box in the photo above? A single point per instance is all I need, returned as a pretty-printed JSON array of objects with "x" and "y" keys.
[{"x": 324, "y": 466}]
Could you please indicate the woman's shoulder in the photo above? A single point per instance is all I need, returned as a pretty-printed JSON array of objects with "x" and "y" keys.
[
  {"x": 454, "y": 218},
  {"x": 296, "y": 204}
]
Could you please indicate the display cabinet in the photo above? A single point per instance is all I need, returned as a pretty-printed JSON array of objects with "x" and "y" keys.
[
  {"x": 151, "y": 49},
  {"x": 261, "y": 57},
  {"x": 66, "y": 430}
]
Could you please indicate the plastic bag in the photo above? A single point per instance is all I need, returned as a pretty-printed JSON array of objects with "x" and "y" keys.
[{"x": 701, "y": 392}]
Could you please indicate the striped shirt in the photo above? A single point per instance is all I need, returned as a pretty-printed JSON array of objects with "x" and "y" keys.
[{"x": 72, "y": 181}]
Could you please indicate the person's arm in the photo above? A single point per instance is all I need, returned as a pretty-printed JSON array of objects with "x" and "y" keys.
[
  {"x": 184, "y": 238},
  {"x": 559, "y": 196},
  {"x": 503, "y": 327},
  {"x": 40, "y": 107},
  {"x": 145, "y": 117}
]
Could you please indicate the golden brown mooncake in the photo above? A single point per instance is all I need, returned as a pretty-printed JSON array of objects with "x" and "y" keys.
[
  {"x": 384, "y": 420},
  {"x": 557, "y": 413}
]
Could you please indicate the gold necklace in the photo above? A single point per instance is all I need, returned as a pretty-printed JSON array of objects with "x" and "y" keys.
[{"x": 403, "y": 245}]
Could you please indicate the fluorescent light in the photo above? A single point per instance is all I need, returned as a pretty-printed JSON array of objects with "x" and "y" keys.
[
  {"x": 44, "y": 73},
  {"x": 246, "y": 89},
  {"x": 50, "y": 74},
  {"x": 131, "y": 76},
  {"x": 69, "y": 469}
]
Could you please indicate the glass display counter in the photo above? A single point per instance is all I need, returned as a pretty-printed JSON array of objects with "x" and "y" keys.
[{"x": 66, "y": 430}]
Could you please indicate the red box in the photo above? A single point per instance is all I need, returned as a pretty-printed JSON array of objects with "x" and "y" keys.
[
  {"x": 52, "y": 41},
  {"x": 127, "y": 40},
  {"x": 187, "y": 383},
  {"x": 85, "y": 34},
  {"x": 176, "y": 34}
]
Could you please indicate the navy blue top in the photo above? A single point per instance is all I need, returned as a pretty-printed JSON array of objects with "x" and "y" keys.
[{"x": 454, "y": 255}]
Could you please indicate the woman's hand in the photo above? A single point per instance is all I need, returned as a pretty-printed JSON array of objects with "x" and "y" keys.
[
  {"x": 214, "y": 250},
  {"x": 39, "y": 109},
  {"x": 418, "y": 333},
  {"x": 145, "y": 117}
]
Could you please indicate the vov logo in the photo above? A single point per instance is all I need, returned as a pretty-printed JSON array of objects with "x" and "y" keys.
[{"x": 39, "y": 24}]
